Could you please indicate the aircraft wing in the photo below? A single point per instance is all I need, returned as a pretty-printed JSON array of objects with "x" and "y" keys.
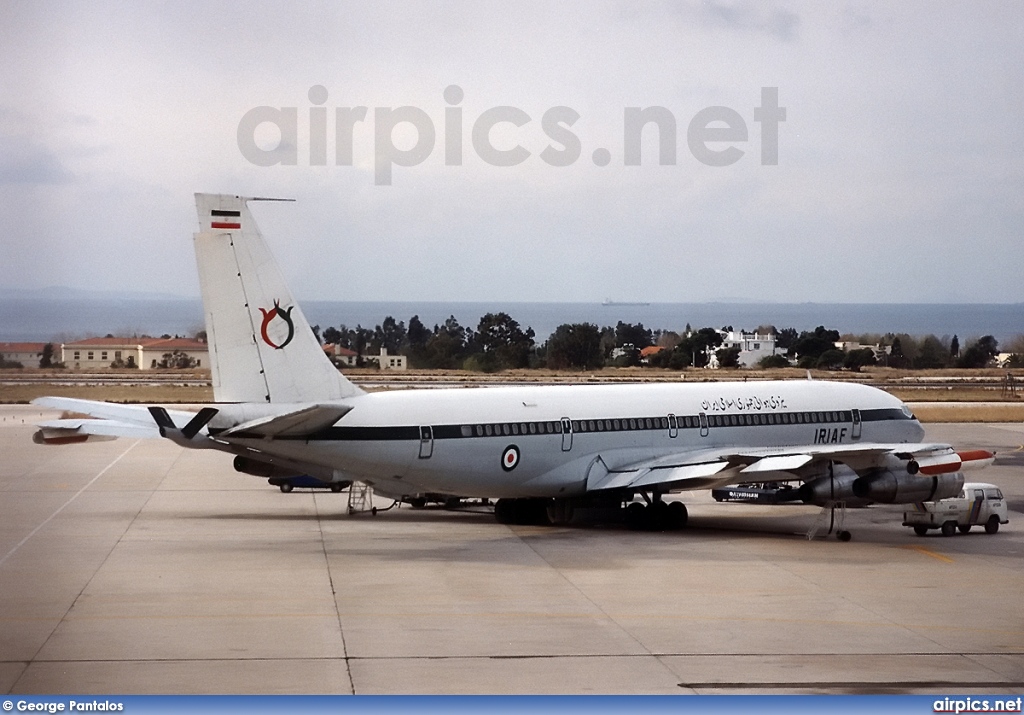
[
  {"x": 707, "y": 468},
  {"x": 113, "y": 421}
]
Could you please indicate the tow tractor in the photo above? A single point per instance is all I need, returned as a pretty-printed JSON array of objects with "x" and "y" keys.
[{"x": 978, "y": 504}]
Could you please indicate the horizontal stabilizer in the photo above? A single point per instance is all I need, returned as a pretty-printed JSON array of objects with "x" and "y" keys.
[
  {"x": 299, "y": 423},
  {"x": 70, "y": 431},
  {"x": 134, "y": 414}
]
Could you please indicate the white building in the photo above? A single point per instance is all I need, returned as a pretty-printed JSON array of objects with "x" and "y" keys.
[
  {"x": 348, "y": 358},
  {"x": 340, "y": 355},
  {"x": 753, "y": 347},
  {"x": 388, "y": 362},
  {"x": 880, "y": 351},
  {"x": 28, "y": 354},
  {"x": 143, "y": 353}
]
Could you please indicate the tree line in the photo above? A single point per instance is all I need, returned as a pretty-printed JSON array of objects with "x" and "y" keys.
[{"x": 499, "y": 342}]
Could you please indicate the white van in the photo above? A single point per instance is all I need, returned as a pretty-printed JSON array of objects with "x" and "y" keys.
[{"x": 978, "y": 503}]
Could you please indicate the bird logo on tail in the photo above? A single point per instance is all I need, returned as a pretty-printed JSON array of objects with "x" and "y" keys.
[{"x": 284, "y": 314}]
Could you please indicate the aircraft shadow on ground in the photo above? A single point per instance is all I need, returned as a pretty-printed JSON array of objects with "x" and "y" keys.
[{"x": 601, "y": 545}]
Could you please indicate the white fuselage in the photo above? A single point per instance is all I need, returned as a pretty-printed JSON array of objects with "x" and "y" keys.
[{"x": 460, "y": 441}]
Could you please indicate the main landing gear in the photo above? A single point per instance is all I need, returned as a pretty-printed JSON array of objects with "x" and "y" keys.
[
  {"x": 544, "y": 512},
  {"x": 835, "y": 525},
  {"x": 656, "y": 515}
]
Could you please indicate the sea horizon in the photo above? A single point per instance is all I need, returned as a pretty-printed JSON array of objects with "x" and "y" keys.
[{"x": 38, "y": 318}]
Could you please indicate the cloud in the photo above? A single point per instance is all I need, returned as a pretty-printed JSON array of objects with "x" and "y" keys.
[
  {"x": 901, "y": 147},
  {"x": 753, "y": 17},
  {"x": 23, "y": 161}
]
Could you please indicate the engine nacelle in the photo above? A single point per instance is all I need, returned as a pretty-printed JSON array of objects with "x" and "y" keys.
[
  {"x": 258, "y": 468},
  {"x": 895, "y": 486},
  {"x": 838, "y": 487}
]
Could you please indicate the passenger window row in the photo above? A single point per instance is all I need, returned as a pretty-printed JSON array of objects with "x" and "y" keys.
[
  {"x": 777, "y": 418},
  {"x": 511, "y": 429}
]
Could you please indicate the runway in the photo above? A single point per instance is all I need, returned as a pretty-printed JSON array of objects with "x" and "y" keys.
[{"x": 138, "y": 567}]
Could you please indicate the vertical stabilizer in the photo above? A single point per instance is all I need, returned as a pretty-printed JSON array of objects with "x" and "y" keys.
[{"x": 261, "y": 347}]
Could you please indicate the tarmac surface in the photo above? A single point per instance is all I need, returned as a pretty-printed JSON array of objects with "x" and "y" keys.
[{"x": 139, "y": 567}]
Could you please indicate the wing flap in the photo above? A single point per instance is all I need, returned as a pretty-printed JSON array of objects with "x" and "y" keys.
[
  {"x": 691, "y": 476},
  {"x": 840, "y": 451},
  {"x": 782, "y": 463},
  {"x": 298, "y": 423}
]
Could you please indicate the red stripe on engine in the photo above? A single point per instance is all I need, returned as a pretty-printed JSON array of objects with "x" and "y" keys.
[
  {"x": 946, "y": 468},
  {"x": 221, "y": 224},
  {"x": 972, "y": 455}
]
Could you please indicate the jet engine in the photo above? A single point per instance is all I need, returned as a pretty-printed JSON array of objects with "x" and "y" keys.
[
  {"x": 898, "y": 486},
  {"x": 834, "y": 488},
  {"x": 258, "y": 468},
  {"x": 895, "y": 483}
]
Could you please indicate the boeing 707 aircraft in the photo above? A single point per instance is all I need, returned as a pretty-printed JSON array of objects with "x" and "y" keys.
[{"x": 282, "y": 409}]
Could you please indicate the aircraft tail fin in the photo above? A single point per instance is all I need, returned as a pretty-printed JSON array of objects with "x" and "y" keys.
[{"x": 261, "y": 346}]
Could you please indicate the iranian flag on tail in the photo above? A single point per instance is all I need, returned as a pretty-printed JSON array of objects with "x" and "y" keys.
[{"x": 225, "y": 219}]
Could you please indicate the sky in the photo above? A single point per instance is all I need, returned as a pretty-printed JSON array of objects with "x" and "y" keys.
[{"x": 899, "y": 174}]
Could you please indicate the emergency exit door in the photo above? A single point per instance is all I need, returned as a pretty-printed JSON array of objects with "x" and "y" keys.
[{"x": 426, "y": 441}]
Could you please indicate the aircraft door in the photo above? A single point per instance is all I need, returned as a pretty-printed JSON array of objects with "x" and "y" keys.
[
  {"x": 673, "y": 426},
  {"x": 426, "y": 441},
  {"x": 566, "y": 434},
  {"x": 703, "y": 425},
  {"x": 855, "y": 432}
]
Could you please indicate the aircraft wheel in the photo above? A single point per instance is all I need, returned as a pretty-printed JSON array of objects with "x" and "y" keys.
[
  {"x": 336, "y": 487},
  {"x": 964, "y": 528},
  {"x": 534, "y": 511},
  {"x": 992, "y": 525},
  {"x": 286, "y": 487},
  {"x": 504, "y": 511},
  {"x": 920, "y": 530},
  {"x": 636, "y": 516},
  {"x": 949, "y": 528},
  {"x": 417, "y": 502},
  {"x": 659, "y": 516},
  {"x": 844, "y": 535},
  {"x": 677, "y": 515},
  {"x": 558, "y": 512}
]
